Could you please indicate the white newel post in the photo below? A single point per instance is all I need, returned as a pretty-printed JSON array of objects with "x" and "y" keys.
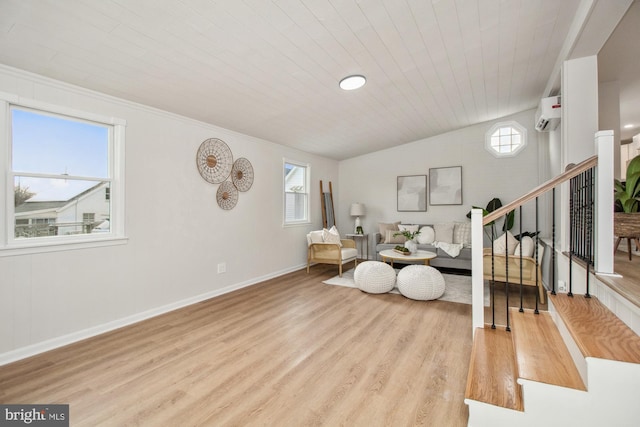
[
  {"x": 477, "y": 275},
  {"x": 604, "y": 202}
]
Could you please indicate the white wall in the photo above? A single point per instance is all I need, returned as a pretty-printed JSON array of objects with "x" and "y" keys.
[
  {"x": 371, "y": 178},
  {"x": 177, "y": 233},
  {"x": 627, "y": 152}
]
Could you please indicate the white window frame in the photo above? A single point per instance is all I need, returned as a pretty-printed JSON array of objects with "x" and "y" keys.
[
  {"x": 307, "y": 178},
  {"x": 9, "y": 246},
  {"x": 510, "y": 124}
]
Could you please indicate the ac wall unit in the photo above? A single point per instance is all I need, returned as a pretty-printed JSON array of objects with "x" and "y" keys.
[{"x": 548, "y": 114}]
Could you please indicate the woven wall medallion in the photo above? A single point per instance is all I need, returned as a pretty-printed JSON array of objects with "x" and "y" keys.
[
  {"x": 214, "y": 160},
  {"x": 242, "y": 174},
  {"x": 227, "y": 195}
]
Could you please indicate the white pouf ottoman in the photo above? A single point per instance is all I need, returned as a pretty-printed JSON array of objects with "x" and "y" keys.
[
  {"x": 375, "y": 277},
  {"x": 420, "y": 282}
]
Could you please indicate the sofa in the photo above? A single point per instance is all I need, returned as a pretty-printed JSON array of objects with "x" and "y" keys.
[{"x": 450, "y": 241}]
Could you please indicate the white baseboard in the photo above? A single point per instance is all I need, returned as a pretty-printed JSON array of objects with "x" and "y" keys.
[{"x": 50, "y": 344}]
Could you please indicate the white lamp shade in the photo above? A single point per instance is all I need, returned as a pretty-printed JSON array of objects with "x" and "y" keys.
[{"x": 357, "y": 209}]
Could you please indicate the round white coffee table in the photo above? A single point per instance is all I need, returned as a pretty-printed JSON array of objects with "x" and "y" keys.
[{"x": 391, "y": 255}]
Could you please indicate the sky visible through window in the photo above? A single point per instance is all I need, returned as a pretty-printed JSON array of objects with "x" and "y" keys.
[{"x": 54, "y": 145}]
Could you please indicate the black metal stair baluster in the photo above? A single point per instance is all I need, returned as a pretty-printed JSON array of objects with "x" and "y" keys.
[
  {"x": 506, "y": 272},
  {"x": 521, "y": 284},
  {"x": 571, "y": 232},
  {"x": 579, "y": 235},
  {"x": 579, "y": 249},
  {"x": 536, "y": 256},
  {"x": 589, "y": 227},
  {"x": 493, "y": 283},
  {"x": 553, "y": 241}
]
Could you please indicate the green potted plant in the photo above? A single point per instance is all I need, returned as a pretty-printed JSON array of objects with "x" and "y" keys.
[
  {"x": 410, "y": 244},
  {"x": 495, "y": 204},
  {"x": 626, "y": 219},
  {"x": 627, "y": 193}
]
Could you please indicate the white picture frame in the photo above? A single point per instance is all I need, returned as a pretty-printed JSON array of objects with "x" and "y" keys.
[
  {"x": 445, "y": 186},
  {"x": 412, "y": 193}
]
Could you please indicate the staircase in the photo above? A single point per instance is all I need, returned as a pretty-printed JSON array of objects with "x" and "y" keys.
[
  {"x": 576, "y": 365},
  {"x": 579, "y": 363}
]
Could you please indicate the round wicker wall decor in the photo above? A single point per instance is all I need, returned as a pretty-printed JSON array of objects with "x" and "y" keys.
[
  {"x": 242, "y": 174},
  {"x": 227, "y": 195},
  {"x": 214, "y": 160}
]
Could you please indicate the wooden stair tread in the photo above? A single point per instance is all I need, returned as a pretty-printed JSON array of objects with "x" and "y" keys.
[
  {"x": 596, "y": 330},
  {"x": 492, "y": 371},
  {"x": 541, "y": 353}
]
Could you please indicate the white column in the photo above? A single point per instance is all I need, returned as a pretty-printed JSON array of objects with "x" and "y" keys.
[
  {"x": 609, "y": 117},
  {"x": 579, "y": 124},
  {"x": 477, "y": 274},
  {"x": 604, "y": 142}
]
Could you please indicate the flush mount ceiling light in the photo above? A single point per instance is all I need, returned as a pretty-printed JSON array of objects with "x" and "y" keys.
[{"x": 352, "y": 82}]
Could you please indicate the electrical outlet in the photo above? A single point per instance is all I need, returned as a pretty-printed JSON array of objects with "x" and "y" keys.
[
  {"x": 562, "y": 286},
  {"x": 222, "y": 267}
]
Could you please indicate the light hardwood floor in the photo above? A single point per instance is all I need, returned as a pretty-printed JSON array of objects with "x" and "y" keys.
[
  {"x": 288, "y": 351},
  {"x": 629, "y": 284}
]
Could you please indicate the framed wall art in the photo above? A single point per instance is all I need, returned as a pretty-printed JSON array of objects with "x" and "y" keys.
[
  {"x": 412, "y": 193},
  {"x": 445, "y": 186}
]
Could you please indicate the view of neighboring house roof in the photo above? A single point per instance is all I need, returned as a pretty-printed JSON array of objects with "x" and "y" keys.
[
  {"x": 37, "y": 206},
  {"x": 31, "y": 206}
]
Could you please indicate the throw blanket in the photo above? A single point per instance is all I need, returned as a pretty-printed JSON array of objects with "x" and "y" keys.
[{"x": 452, "y": 249}]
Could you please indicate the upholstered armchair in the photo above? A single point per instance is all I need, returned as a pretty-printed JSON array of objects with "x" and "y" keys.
[
  {"x": 330, "y": 250},
  {"x": 528, "y": 269}
]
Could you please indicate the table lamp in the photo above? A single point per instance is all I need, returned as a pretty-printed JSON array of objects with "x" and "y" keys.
[{"x": 357, "y": 210}]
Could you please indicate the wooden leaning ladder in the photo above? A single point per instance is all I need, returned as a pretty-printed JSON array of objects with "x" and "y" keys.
[{"x": 328, "y": 214}]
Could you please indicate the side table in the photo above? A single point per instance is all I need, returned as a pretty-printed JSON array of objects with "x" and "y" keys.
[{"x": 364, "y": 243}]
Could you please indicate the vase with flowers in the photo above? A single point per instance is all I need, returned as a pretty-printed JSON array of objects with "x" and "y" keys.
[{"x": 410, "y": 244}]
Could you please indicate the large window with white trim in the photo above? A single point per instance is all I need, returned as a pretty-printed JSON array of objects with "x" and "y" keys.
[
  {"x": 296, "y": 192},
  {"x": 64, "y": 176}
]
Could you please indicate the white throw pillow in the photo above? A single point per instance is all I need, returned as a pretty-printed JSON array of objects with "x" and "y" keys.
[
  {"x": 444, "y": 232},
  {"x": 331, "y": 235},
  {"x": 427, "y": 235},
  {"x": 390, "y": 238},
  {"x": 503, "y": 242},
  {"x": 383, "y": 227},
  {"x": 462, "y": 233},
  {"x": 527, "y": 245},
  {"x": 316, "y": 236}
]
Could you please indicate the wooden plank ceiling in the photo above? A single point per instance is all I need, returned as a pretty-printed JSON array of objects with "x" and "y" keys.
[{"x": 270, "y": 69}]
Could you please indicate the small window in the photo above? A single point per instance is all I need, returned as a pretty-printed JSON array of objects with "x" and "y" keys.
[
  {"x": 296, "y": 193},
  {"x": 505, "y": 139}
]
